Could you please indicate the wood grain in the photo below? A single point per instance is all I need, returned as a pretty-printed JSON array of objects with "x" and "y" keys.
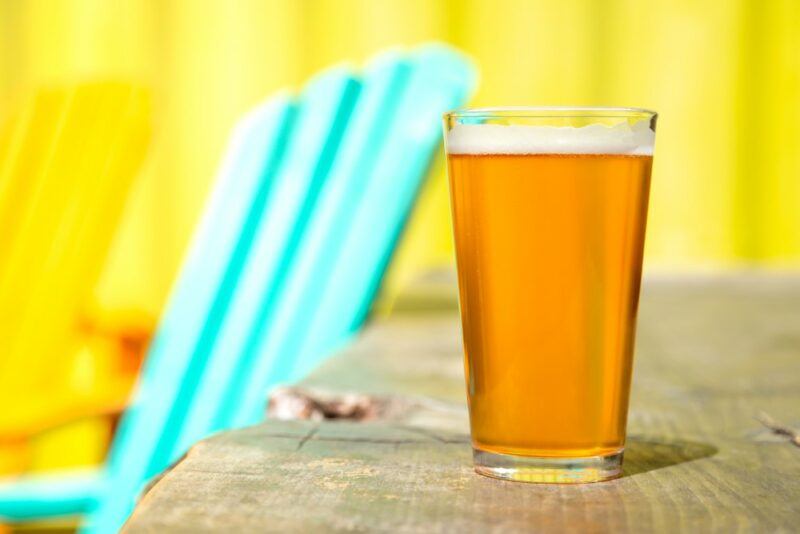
[{"x": 712, "y": 353}]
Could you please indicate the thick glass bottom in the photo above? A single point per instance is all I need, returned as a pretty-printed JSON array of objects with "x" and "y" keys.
[{"x": 548, "y": 470}]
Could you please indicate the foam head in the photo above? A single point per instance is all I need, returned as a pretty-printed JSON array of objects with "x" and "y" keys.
[{"x": 623, "y": 138}]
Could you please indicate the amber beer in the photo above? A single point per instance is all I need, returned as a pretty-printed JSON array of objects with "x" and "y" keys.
[{"x": 549, "y": 227}]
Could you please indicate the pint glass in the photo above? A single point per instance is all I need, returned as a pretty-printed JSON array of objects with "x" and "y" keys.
[{"x": 549, "y": 208}]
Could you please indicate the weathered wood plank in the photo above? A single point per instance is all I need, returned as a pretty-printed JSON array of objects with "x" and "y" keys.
[
  {"x": 711, "y": 354},
  {"x": 376, "y": 477}
]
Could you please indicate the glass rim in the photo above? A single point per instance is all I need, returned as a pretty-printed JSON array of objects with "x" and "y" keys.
[{"x": 550, "y": 112}]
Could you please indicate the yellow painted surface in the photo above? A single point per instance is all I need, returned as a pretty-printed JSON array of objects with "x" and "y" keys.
[
  {"x": 725, "y": 76},
  {"x": 79, "y": 443},
  {"x": 70, "y": 155}
]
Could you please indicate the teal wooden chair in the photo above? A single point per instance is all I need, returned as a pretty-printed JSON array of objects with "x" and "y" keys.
[{"x": 309, "y": 205}]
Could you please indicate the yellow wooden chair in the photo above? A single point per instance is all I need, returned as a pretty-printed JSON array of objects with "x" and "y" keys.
[{"x": 68, "y": 157}]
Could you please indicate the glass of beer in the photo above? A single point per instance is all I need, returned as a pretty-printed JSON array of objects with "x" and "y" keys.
[{"x": 549, "y": 208}]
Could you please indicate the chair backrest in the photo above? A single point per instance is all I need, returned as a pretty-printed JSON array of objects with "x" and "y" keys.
[
  {"x": 311, "y": 199},
  {"x": 339, "y": 270},
  {"x": 68, "y": 157}
]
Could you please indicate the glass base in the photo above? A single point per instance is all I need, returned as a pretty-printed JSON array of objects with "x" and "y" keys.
[{"x": 548, "y": 470}]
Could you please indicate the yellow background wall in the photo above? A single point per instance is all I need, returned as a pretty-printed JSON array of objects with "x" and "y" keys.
[{"x": 724, "y": 75}]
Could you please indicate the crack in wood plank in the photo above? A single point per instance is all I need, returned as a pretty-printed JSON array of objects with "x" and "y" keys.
[
  {"x": 313, "y": 435},
  {"x": 332, "y": 439},
  {"x": 307, "y": 437},
  {"x": 375, "y": 441}
]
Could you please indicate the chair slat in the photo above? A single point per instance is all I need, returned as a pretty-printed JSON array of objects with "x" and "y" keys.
[
  {"x": 50, "y": 495},
  {"x": 62, "y": 196},
  {"x": 35, "y": 130},
  {"x": 32, "y": 207},
  {"x": 35, "y": 135},
  {"x": 91, "y": 198}
]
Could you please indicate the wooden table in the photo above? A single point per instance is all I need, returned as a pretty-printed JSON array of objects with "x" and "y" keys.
[{"x": 711, "y": 354}]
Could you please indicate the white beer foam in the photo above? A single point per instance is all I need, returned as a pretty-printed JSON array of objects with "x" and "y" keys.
[{"x": 636, "y": 139}]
